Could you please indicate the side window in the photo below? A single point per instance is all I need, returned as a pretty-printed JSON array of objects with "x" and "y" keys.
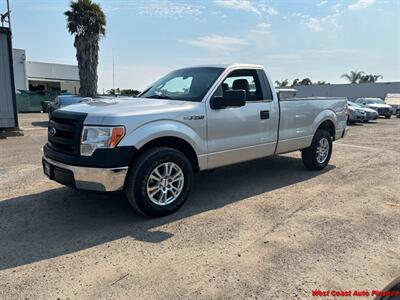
[{"x": 247, "y": 80}]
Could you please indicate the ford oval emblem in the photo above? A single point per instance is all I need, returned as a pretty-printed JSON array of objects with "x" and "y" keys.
[{"x": 52, "y": 131}]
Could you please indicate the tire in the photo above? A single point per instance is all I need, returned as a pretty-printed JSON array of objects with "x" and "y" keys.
[
  {"x": 139, "y": 184},
  {"x": 309, "y": 155},
  {"x": 388, "y": 116}
]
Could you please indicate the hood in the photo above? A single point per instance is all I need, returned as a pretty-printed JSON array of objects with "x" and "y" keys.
[
  {"x": 134, "y": 112},
  {"x": 117, "y": 107},
  {"x": 377, "y": 105},
  {"x": 356, "y": 109},
  {"x": 369, "y": 110}
]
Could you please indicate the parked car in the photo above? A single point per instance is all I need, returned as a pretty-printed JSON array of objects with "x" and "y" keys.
[
  {"x": 192, "y": 119},
  {"x": 355, "y": 114},
  {"x": 394, "y": 101},
  {"x": 370, "y": 114},
  {"x": 378, "y": 104},
  {"x": 62, "y": 101},
  {"x": 65, "y": 100}
]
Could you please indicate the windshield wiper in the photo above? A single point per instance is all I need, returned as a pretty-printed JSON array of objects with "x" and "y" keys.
[{"x": 158, "y": 97}]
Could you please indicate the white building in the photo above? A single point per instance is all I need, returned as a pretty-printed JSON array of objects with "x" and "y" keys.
[
  {"x": 40, "y": 76},
  {"x": 351, "y": 91}
]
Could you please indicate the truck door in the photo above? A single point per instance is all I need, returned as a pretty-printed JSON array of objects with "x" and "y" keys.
[{"x": 237, "y": 134}]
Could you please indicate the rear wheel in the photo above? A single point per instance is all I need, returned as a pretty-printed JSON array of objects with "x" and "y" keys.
[
  {"x": 317, "y": 156},
  {"x": 159, "y": 182}
]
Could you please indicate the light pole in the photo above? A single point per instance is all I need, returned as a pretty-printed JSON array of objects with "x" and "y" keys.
[
  {"x": 5, "y": 18},
  {"x": 8, "y": 13}
]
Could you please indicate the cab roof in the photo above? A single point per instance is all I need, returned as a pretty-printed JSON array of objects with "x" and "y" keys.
[{"x": 225, "y": 66}]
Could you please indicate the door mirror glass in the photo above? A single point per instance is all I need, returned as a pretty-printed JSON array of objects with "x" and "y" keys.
[{"x": 230, "y": 98}]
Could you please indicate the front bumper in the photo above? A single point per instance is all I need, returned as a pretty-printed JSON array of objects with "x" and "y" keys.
[
  {"x": 371, "y": 116},
  {"x": 357, "y": 118},
  {"x": 384, "y": 111},
  {"x": 85, "y": 178}
]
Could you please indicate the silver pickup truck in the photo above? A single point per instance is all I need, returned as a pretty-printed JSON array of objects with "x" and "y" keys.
[{"x": 192, "y": 119}]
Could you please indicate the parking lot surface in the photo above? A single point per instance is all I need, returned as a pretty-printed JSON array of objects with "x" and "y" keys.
[{"x": 267, "y": 229}]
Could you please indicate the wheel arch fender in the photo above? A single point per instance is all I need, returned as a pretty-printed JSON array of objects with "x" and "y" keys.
[
  {"x": 158, "y": 129},
  {"x": 186, "y": 138},
  {"x": 327, "y": 120}
]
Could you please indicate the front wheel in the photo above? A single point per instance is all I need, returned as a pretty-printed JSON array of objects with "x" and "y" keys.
[
  {"x": 317, "y": 156},
  {"x": 159, "y": 181},
  {"x": 388, "y": 116}
]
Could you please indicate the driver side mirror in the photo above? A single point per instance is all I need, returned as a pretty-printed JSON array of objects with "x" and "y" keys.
[{"x": 230, "y": 98}]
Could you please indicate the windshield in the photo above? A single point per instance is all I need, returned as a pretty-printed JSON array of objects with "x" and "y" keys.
[
  {"x": 375, "y": 101},
  {"x": 186, "y": 84},
  {"x": 354, "y": 104}
]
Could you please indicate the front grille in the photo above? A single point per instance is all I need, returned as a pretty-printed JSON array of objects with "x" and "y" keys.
[
  {"x": 383, "y": 111},
  {"x": 64, "y": 132}
]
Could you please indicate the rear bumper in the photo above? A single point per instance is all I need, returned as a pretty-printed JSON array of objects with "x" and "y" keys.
[
  {"x": 85, "y": 178},
  {"x": 345, "y": 131},
  {"x": 341, "y": 133}
]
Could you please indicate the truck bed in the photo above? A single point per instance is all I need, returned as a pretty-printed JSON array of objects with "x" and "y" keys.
[{"x": 300, "y": 117}]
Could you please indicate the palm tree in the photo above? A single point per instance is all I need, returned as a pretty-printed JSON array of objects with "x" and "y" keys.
[
  {"x": 87, "y": 22},
  {"x": 354, "y": 76},
  {"x": 376, "y": 77},
  {"x": 369, "y": 78}
]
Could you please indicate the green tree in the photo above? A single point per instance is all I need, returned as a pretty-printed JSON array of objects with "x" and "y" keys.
[
  {"x": 354, "y": 76},
  {"x": 113, "y": 91},
  {"x": 296, "y": 82},
  {"x": 130, "y": 92},
  {"x": 282, "y": 83},
  {"x": 305, "y": 81},
  {"x": 87, "y": 22}
]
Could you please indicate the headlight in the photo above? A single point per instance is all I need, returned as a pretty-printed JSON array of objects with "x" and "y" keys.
[{"x": 94, "y": 137}]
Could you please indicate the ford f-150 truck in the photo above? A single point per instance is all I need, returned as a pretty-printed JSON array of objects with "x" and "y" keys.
[{"x": 192, "y": 119}]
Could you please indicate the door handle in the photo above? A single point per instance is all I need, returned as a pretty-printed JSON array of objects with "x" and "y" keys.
[{"x": 264, "y": 114}]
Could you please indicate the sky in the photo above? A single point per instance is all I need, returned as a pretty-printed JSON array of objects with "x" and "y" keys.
[{"x": 319, "y": 39}]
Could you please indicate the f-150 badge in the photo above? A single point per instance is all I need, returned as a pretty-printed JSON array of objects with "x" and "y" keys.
[{"x": 197, "y": 117}]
